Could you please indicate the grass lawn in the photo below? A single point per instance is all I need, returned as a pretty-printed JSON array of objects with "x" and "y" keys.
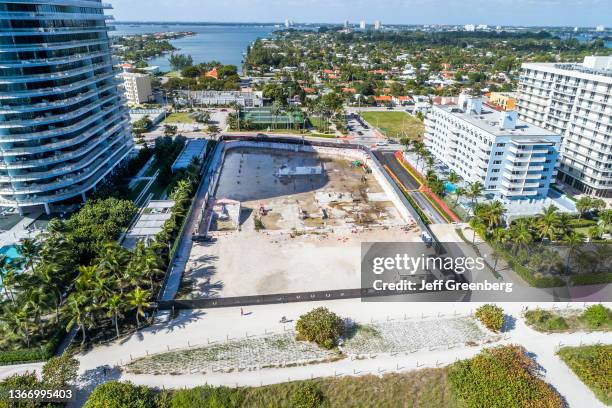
[
  {"x": 427, "y": 388},
  {"x": 395, "y": 124},
  {"x": 319, "y": 124},
  {"x": 179, "y": 117},
  {"x": 593, "y": 365}
]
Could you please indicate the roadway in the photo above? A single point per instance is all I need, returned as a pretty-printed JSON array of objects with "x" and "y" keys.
[{"x": 410, "y": 185}]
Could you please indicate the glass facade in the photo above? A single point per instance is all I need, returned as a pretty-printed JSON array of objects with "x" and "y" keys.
[{"x": 64, "y": 124}]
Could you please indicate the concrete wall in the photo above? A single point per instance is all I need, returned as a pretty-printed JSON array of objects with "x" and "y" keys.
[{"x": 346, "y": 153}]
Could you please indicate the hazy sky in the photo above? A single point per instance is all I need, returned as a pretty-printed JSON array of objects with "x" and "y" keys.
[{"x": 492, "y": 12}]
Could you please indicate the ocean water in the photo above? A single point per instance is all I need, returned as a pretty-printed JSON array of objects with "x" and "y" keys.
[{"x": 223, "y": 43}]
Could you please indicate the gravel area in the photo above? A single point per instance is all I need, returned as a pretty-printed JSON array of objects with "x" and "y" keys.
[
  {"x": 275, "y": 350},
  {"x": 409, "y": 336}
]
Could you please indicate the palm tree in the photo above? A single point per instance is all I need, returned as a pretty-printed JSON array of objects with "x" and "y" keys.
[
  {"x": 453, "y": 177},
  {"x": 521, "y": 236},
  {"x": 48, "y": 277},
  {"x": 548, "y": 223},
  {"x": 78, "y": 310},
  {"x": 9, "y": 281},
  {"x": 36, "y": 300},
  {"x": 474, "y": 191},
  {"x": 459, "y": 192},
  {"x": 114, "y": 307},
  {"x": 491, "y": 214},
  {"x": 605, "y": 217},
  {"x": 138, "y": 298},
  {"x": 500, "y": 235},
  {"x": 475, "y": 224},
  {"x": 573, "y": 240},
  {"x": 17, "y": 317},
  {"x": 29, "y": 250},
  {"x": 5, "y": 266}
]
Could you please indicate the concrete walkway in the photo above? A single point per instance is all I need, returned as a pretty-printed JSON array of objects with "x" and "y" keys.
[{"x": 20, "y": 231}]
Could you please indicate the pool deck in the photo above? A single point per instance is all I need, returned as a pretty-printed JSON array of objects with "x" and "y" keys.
[{"x": 20, "y": 231}]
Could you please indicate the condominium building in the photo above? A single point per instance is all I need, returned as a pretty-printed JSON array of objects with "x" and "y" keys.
[
  {"x": 137, "y": 87},
  {"x": 512, "y": 159},
  {"x": 574, "y": 100},
  {"x": 225, "y": 98},
  {"x": 64, "y": 125}
]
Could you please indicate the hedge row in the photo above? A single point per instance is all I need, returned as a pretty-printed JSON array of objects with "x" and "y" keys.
[{"x": 33, "y": 354}]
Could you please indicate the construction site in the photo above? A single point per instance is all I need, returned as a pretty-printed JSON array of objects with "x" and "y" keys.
[{"x": 291, "y": 220}]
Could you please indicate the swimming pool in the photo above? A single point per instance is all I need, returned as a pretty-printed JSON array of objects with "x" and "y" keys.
[
  {"x": 449, "y": 187},
  {"x": 10, "y": 251}
]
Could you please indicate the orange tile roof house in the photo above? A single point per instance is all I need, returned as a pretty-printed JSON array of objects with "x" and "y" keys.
[
  {"x": 212, "y": 73},
  {"x": 383, "y": 99}
]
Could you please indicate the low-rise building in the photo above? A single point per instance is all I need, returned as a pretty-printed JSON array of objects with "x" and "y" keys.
[
  {"x": 502, "y": 100},
  {"x": 225, "y": 98},
  {"x": 511, "y": 158},
  {"x": 137, "y": 87}
]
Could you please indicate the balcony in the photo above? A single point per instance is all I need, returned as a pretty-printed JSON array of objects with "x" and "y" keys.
[
  {"x": 60, "y": 131},
  {"x": 49, "y": 46},
  {"x": 84, "y": 161},
  {"x": 53, "y": 75},
  {"x": 64, "y": 194},
  {"x": 51, "y": 61},
  {"x": 23, "y": 163},
  {"x": 43, "y": 120},
  {"x": 57, "y": 89},
  {"x": 8, "y": 109},
  {"x": 64, "y": 180}
]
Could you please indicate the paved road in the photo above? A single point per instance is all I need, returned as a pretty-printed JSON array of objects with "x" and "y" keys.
[
  {"x": 411, "y": 184},
  {"x": 360, "y": 133}
]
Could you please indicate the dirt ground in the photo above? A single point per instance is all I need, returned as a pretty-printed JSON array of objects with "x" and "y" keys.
[{"x": 296, "y": 233}]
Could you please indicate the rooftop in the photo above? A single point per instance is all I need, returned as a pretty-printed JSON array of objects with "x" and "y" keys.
[
  {"x": 193, "y": 148},
  {"x": 488, "y": 120},
  {"x": 593, "y": 65}
]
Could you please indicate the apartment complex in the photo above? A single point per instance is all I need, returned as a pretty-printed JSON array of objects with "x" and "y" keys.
[
  {"x": 574, "y": 100},
  {"x": 512, "y": 159},
  {"x": 253, "y": 99},
  {"x": 138, "y": 89},
  {"x": 63, "y": 121}
]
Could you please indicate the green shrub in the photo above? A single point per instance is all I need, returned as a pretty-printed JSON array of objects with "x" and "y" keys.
[
  {"x": 207, "y": 396},
  {"x": 501, "y": 377},
  {"x": 320, "y": 326},
  {"x": 308, "y": 395},
  {"x": 491, "y": 316},
  {"x": 115, "y": 394},
  {"x": 32, "y": 354},
  {"x": 592, "y": 278},
  {"x": 581, "y": 223},
  {"x": 25, "y": 381},
  {"x": 544, "y": 320},
  {"x": 596, "y": 316},
  {"x": 592, "y": 364}
]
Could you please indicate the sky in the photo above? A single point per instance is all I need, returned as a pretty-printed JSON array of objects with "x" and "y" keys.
[{"x": 584, "y": 13}]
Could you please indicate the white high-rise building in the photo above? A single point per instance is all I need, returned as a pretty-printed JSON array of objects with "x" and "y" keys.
[
  {"x": 512, "y": 159},
  {"x": 469, "y": 27},
  {"x": 287, "y": 23},
  {"x": 377, "y": 25},
  {"x": 600, "y": 28},
  {"x": 137, "y": 87},
  {"x": 574, "y": 100},
  {"x": 362, "y": 24}
]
